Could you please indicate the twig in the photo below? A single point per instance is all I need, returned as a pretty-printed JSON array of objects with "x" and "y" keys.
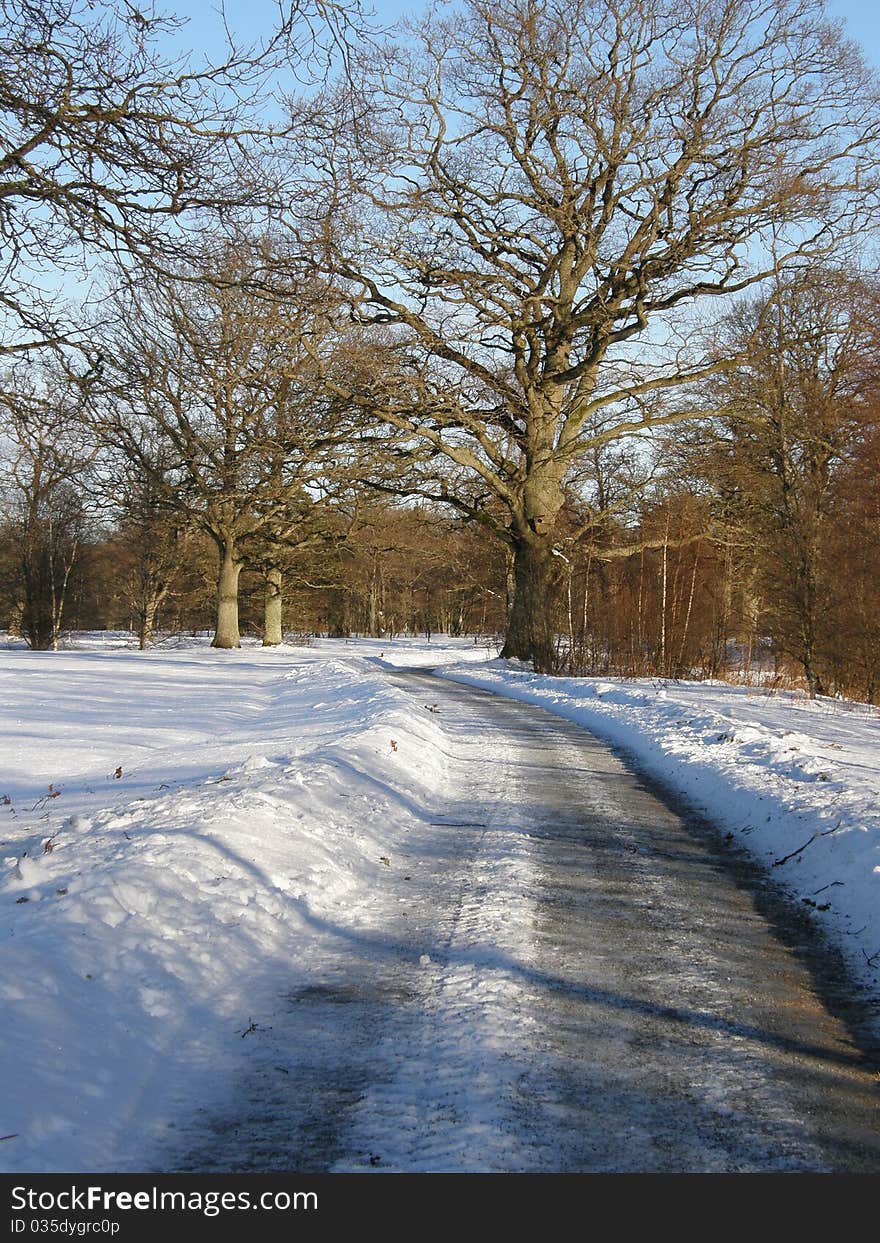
[
  {"x": 826, "y": 833},
  {"x": 831, "y": 885},
  {"x": 51, "y": 793},
  {"x": 14, "y": 1136}
]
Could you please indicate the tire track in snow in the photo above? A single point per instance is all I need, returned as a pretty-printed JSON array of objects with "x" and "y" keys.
[
  {"x": 359, "y": 1068},
  {"x": 653, "y": 1021},
  {"x": 453, "y": 1062},
  {"x": 605, "y": 992}
]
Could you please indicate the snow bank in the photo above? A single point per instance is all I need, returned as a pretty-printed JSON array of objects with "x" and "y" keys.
[
  {"x": 796, "y": 781},
  {"x": 180, "y": 833}
]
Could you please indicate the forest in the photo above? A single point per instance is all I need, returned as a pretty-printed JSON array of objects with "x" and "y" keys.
[{"x": 551, "y": 321}]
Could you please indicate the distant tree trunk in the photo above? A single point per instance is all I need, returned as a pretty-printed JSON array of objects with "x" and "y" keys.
[
  {"x": 153, "y": 597},
  {"x": 663, "y": 588},
  {"x": 59, "y": 595},
  {"x": 375, "y": 628},
  {"x": 16, "y": 618},
  {"x": 752, "y": 614},
  {"x": 509, "y": 580},
  {"x": 723, "y": 614},
  {"x": 47, "y": 559},
  {"x": 570, "y": 612},
  {"x": 274, "y": 603},
  {"x": 687, "y": 616},
  {"x": 147, "y": 622},
  {"x": 640, "y": 617},
  {"x": 226, "y": 634},
  {"x": 585, "y": 636},
  {"x": 337, "y": 613},
  {"x": 806, "y": 603}
]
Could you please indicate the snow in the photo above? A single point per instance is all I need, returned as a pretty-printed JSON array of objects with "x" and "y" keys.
[
  {"x": 182, "y": 832},
  {"x": 186, "y": 833},
  {"x": 796, "y": 781}
]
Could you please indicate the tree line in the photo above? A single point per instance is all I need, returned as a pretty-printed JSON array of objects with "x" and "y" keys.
[{"x": 545, "y": 318}]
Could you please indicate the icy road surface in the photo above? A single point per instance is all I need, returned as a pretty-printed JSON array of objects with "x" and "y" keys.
[{"x": 568, "y": 976}]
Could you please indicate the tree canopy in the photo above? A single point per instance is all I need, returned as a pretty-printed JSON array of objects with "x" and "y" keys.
[{"x": 534, "y": 195}]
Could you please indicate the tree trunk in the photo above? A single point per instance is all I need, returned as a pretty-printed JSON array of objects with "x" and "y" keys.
[
  {"x": 680, "y": 667},
  {"x": 272, "y": 635},
  {"x": 337, "y": 613},
  {"x": 530, "y": 626},
  {"x": 375, "y": 628},
  {"x": 568, "y": 605},
  {"x": 16, "y": 620},
  {"x": 226, "y": 634},
  {"x": 37, "y": 611},
  {"x": 806, "y": 598},
  {"x": 154, "y": 596},
  {"x": 147, "y": 622},
  {"x": 664, "y": 574},
  {"x": 509, "y": 580}
]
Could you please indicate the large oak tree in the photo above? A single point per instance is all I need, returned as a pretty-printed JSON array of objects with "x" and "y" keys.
[{"x": 535, "y": 197}]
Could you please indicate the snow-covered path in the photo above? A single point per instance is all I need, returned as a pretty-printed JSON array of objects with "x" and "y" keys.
[{"x": 567, "y": 975}]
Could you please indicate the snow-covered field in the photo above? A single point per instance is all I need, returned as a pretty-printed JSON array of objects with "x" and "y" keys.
[
  {"x": 186, "y": 831},
  {"x": 208, "y": 817}
]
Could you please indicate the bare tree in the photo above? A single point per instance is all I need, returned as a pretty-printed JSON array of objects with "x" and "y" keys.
[
  {"x": 851, "y": 648},
  {"x": 46, "y": 456},
  {"x": 222, "y": 375},
  {"x": 800, "y": 410},
  {"x": 110, "y": 143},
  {"x": 149, "y": 542},
  {"x": 530, "y": 195}
]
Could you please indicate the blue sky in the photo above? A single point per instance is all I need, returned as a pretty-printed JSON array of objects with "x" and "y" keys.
[
  {"x": 862, "y": 21},
  {"x": 862, "y": 18}
]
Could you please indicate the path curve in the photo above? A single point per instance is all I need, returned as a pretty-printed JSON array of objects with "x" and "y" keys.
[{"x": 582, "y": 979}]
